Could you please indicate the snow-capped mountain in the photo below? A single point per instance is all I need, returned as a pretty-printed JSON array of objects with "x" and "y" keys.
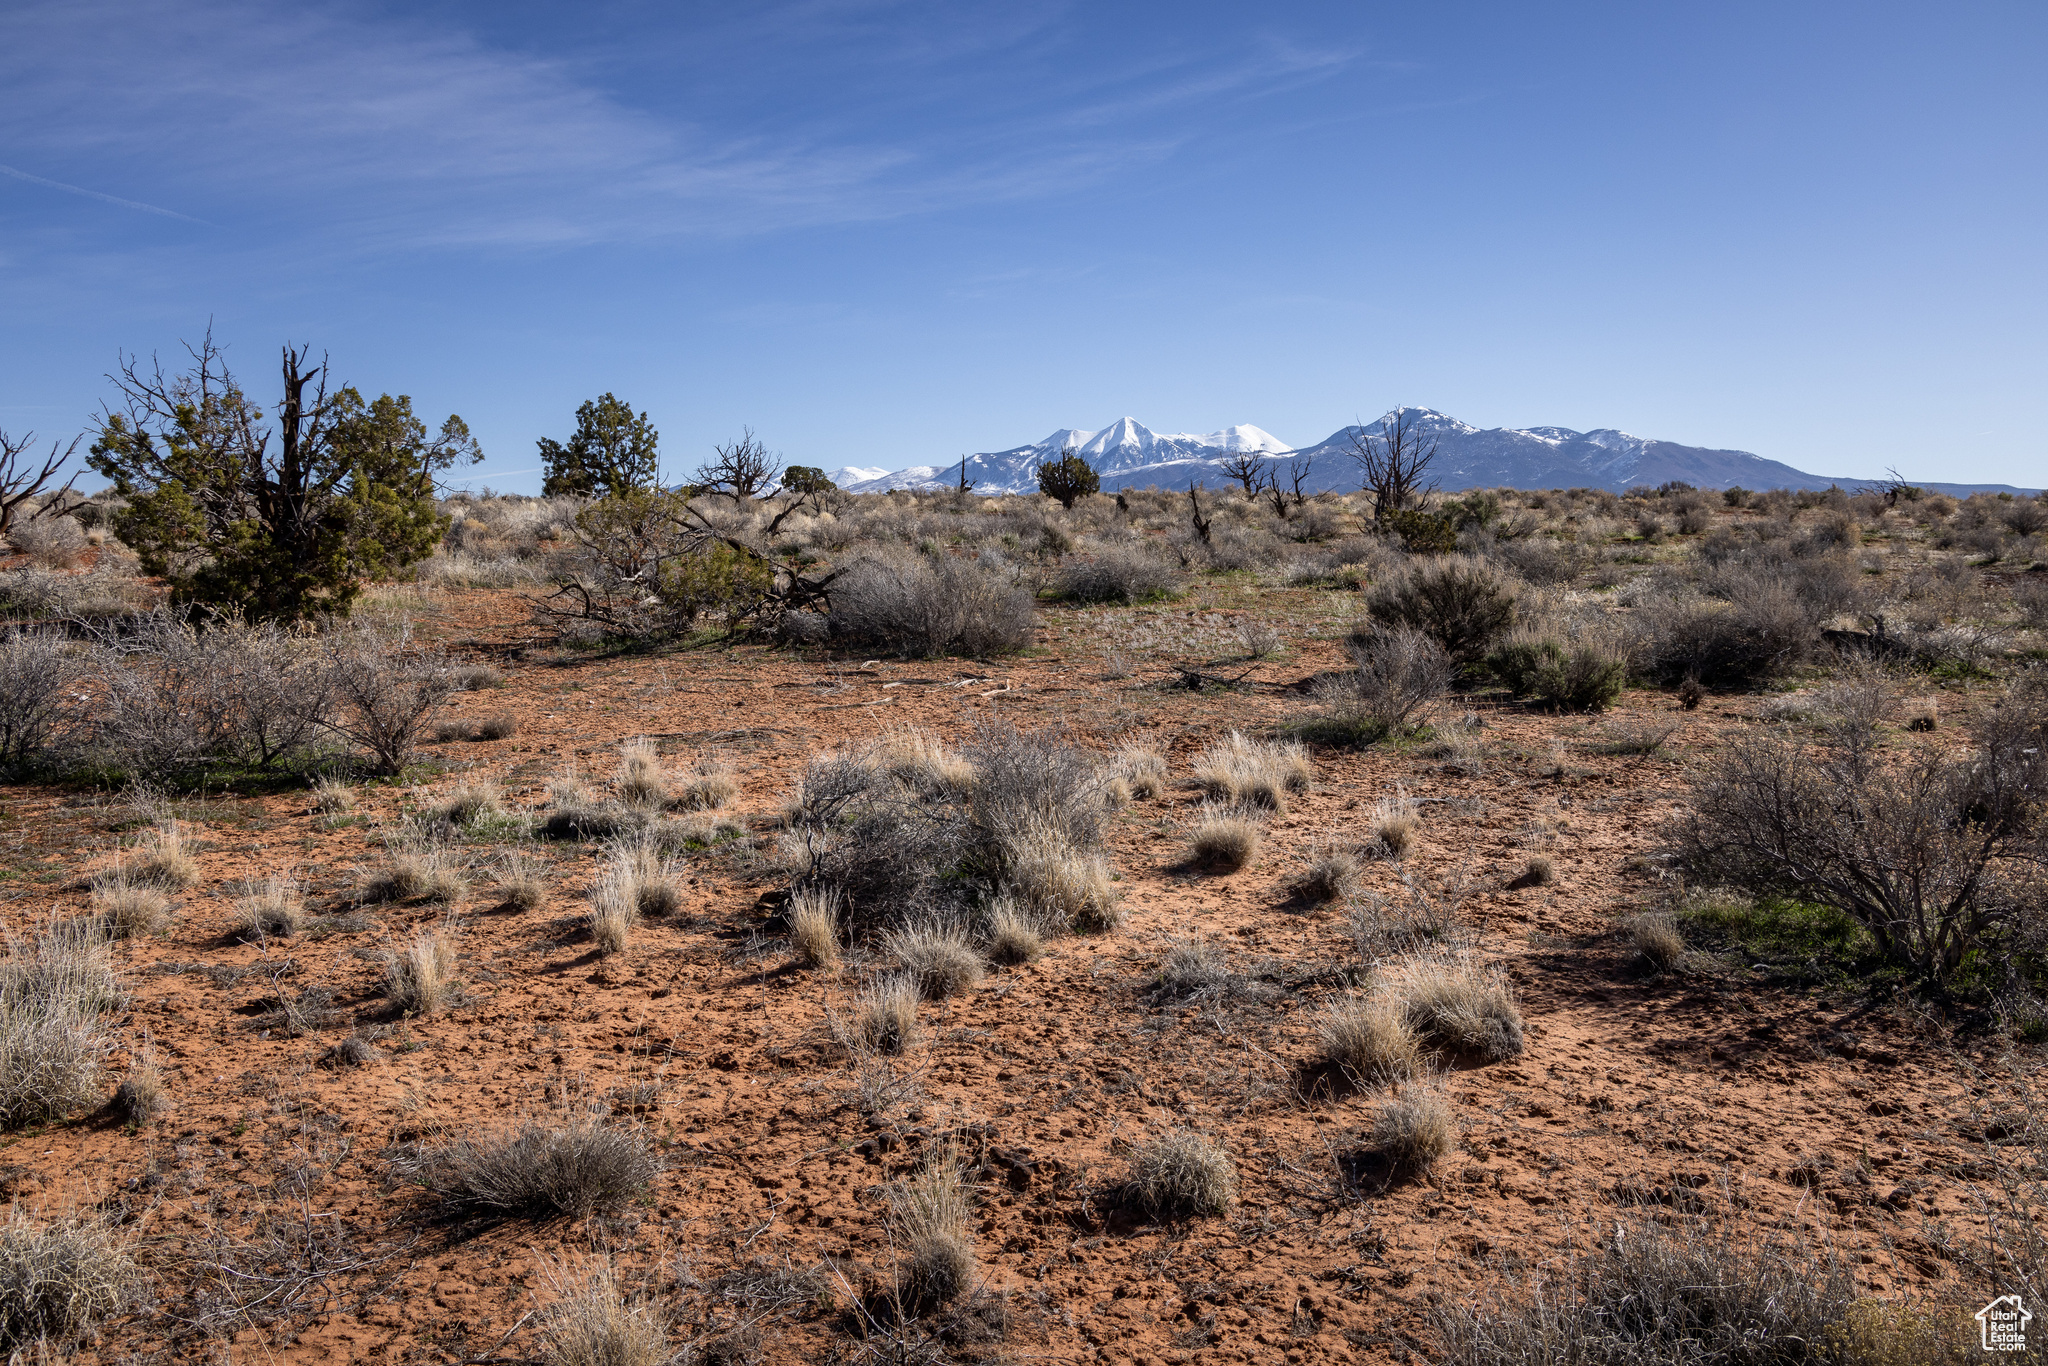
[{"x": 1127, "y": 454}]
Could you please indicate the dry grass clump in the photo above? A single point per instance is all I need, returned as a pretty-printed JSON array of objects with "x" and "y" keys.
[
  {"x": 1143, "y": 770},
  {"x": 1225, "y": 839},
  {"x": 936, "y": 957},
  {"x": 1684, "y": 1289},
  {"x": 413, "y": 875},
  {"x": 1412, "y": 1129},
  {"x": 1538, "y": 871},
  {"x": 576, "y": 813},
  {"x": 1192, "y": 967},
  {"x": 333, "y": 797},
  {"x": 885, "y": 1015},
  {"x": 923, "y": 762},
  {"x": 1252, "y": 772},
  {"x": 467, "y": 803},
  {"x": 590, "y": 1323},
  {"x": 499, "y": 726},
  {"x": 1013, "y": 935},
  {"x": 1066, "y": 885},
  {"x": 272, "y": 907},
  {"x": 1395, "y": 820},
  {"x": 1369, "y": 1040},
  {"x": 57, "y": 1283},
  {"x": 128, "y": 909},
  {"x": 1331, "y": 875},
  {"x": 1657, "y": 938},
  {"x": 651, "y": 881},
  {"x": 419, "y": 977},
  {"x": 934, "y": 1209},
  {"x": 1180, "y": 1175},
  {"x": 55, "y": 990},
  {"x": 642, "y": 779},
  {"x": 708, "y": 785},
  {"x": 354, "y": 1051},
  {"x": 159, "y": 859},
  {"x": 614, "y": 910},
  {"x": 1461, "y": 1008},
  {"x": 521, "y": 881},
  {"x": 576, "y": 1168},
  {"x": 140, "y": 1096},
  {"x": 813, "y": 919}
]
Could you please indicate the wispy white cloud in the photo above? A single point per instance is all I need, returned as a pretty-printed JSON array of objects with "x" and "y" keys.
[
  {"x": 365, "y": 132},
  {"x": 93, "y": 194}
]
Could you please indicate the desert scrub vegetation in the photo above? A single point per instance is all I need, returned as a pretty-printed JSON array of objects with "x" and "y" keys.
[
  {"x": 56, "y": 989},
  {"x": 1412, "y": 1129},
  {"x": 1925, "y": 848},
  {"x": 419, "y": 975},
  {"x": 1330, "y": 874},
  {"x": 271, "y": 908},
  {"x": 1249, "y": 772},
  {"x": 1400, "y": 675},
  {"x": 1225, "y": 839},
  {"x": 589, "y": 1321},
  {"x": 413, "y": 875},
  {"x": 128, "y": 909},
  {"x": 936, "y": 956},
  {"x": 932, "y": 1213},
  {"x": 1180, "y": 1174},
  {"x": 578, "y": 1166},
  {"x": 905, "y": 828},
  {"x": 1458, "y": 1007},
  {"x": 1368, "y": 1041},
  {"x": 812, "y": 917},
  {"x": 59, "y": 1282}
]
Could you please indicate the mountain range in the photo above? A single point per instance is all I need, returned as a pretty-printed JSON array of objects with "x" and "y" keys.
[{"x": 1128, "y": 454}]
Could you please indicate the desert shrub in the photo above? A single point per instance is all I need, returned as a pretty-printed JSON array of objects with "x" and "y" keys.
[
  {"x": 1412, "y": 1129},
  {"x": 1143, "y": 770},
  {"x": 1543, "y": 561},
  {"x": 1192, "y": 967},
  {"x": 1657, "y": 938},
  {"x": 579, "y": 1167},
  {"x": 58, "y": 1282},
  {"x": 922, "y": 606},
  {"x": 55, "y": 990},
  {"x": 885, "y": 1015},
  {"x": 1462, "y": 1009},
  {"x": 1013, "y": 934},
  {"x": 1115, "y": 574},
  {"x": 39, "y": 677},
  {"x": 935, "y": 956},
  {"x": 1400, "y": 673},
  {"x": 642, "y": 778},
  {"x": 1924, "y": 850},
  {"x": 1394, "y": 821},
  {"x": 614, "y": 909},
  {"x": 589, "y": 1322},
  {"x": 1460, "y": 603},
  {"x": 1369, "y": 1040},
  {"x": 419, "y": 976},
  {"x": 1331, "y": 875},
  {"x": 497, "y": 726},
  {"x": 1731, "y": 644},
  {"x": 271, "y": 907},
  {"x": 933, "y": 1211},
  {"x": 1180, "y": 1175},
  {"x": 1684, "y": 1290},
  {"x": 1254, "y": 772},
  {"x": 1585, "y": 673},
  {"x": 140, "y": 1096},
  {"x": 813, "y": 920},
  {"x": 386, "y": 692},
  {"x": 128, "y": 909},
  {"x": 1224, "y": 838},
  {"x": 51, "y": 542}
]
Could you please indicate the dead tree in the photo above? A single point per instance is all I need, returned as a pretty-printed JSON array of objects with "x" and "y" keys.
[
  {"x": 22, "y": 479},
  {"x": 1394, "y": 463},
  {"x": 1247, "y": 468},
  {"x": 1201, "y": 522},
  {"x": 743, "y": 470}
]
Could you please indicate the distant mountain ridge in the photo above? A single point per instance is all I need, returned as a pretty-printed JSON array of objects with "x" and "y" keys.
[{"x": 1128, "y": 454}]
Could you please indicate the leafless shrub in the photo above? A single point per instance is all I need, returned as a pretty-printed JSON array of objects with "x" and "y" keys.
[
  {"x": 419, "y": 976},
  {"x": 1401, "y": 673},
  {"x": 386, "y": 691},
  {"x": 1459, "y": 1007},
  {"x": 1225, "y": 839},
  {"x": 590, "y": 1322},
  {"x": 933, "y": 1212},
  {"x": 936, "y": 957},
  {"x": 578, "y": 1167},
  {"x": 1924, "y": 850},
  {"x": 58, "y": 1282},
  {"x": 39, "y": 677},
  {"x": 813, "y": 919},
  {"x": 1690, "y": 1290},
  {"x": 1115, "y": 574},
  {"x": 272, "y": 907},
  {"x": 1369, "y": 1040},
  {"x": 50, "y": 542},
  {"x": 1181, "y": 1174},
  {"x": 1258, "y": 638},
  {"x": 930, "y": 605},
  {"x": 1732, "y": 644}
]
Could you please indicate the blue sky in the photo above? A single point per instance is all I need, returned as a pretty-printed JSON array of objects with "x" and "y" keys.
[{"x": 888, "y": 233}]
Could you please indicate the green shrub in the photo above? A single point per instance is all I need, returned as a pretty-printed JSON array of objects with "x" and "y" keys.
[
  {"x": 1583, "y": 675},
  {"x": 1423, "y": 533},
  {"x": 1462, "y": 604}
]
